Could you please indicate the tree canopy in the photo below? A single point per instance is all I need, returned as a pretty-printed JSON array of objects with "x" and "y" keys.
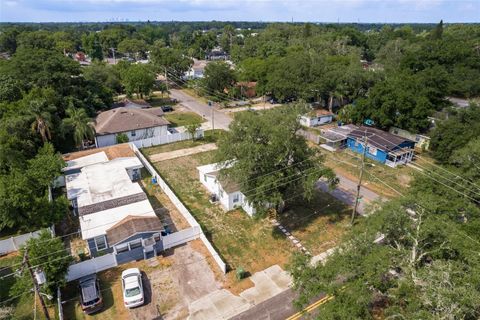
[{"x": 268, "y": 159}]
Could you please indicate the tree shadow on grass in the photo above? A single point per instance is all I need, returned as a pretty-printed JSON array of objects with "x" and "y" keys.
[{"x": 301, "y": 214}]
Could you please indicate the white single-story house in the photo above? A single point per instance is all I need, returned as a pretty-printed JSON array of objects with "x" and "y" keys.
[
  {"x": 136, "y": 123},
  {"x": 197, "y": 70},
  {"x": 225, "y": 191},
  {"x": 115, "y": 214},
  {"x": 316, "y": 118}
]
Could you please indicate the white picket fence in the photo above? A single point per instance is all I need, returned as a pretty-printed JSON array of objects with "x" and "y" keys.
[
  {"x": 94, "y": 265},
  {"x": 180, "y": 206},
  {"x": 170, "y": 138}
]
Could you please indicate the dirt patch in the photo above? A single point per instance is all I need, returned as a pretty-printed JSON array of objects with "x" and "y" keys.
[
  {"x": 112, "y": 152},
  {"x": 182, "y": 152}
]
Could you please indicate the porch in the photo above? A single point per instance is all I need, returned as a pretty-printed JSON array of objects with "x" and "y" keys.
[{"x": 399, "y": 157}]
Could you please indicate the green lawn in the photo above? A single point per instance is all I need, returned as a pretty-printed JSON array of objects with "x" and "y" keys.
[
  {"x": 157, "y": 101},
  {"x": 183, "y": 118},
  {"x": 210, "y": 136},
  {"x": 252, "y": 243},
  {"x": 376, "y": 176}
]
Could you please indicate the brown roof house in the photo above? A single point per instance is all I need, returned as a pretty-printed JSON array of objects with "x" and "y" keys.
[{"x": 135, "y": 123}]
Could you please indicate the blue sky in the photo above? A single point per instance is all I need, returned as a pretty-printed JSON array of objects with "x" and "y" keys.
[{"x": 241, "y": 10}]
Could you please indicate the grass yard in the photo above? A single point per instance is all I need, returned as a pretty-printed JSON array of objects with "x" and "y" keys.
[
  {"x": 240, "y": 240},
  {"x": 157, "y": 100},
  {"x": 210, "y": 136},
  {"x": 183, "y": 118},
  {"x": 376, "y": 174},
  {"x": 318, "y": 223},
  {"x": 253, "y": 243}
]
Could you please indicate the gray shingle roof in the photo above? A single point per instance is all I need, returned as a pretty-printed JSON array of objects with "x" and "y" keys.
[
  {"x": 378, "y": 138},
  {"x": 126, "y": 119},
  {"x": 131, "y": 225}
]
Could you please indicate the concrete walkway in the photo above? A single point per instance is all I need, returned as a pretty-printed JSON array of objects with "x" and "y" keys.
[
  {"x": 222, "y": 304},
  {"x": 182, "y": 152}
]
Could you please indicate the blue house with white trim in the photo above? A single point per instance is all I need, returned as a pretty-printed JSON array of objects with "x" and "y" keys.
[{"x": 382, "y": 146}]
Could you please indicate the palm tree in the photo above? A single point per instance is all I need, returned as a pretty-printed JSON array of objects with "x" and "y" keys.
[
  {"x": 79, "y": 121},
  {"x": 41, "y": 118}
]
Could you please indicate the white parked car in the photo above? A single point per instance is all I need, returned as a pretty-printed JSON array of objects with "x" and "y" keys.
[{"x": 132, "y": 288}]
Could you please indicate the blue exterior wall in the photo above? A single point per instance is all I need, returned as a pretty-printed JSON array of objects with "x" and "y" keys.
[
  {"x": 381, "y": 155},
  {"x": 93, "y": 248}
]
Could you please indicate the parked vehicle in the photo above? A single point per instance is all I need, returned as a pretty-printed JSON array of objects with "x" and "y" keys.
[
  {"x": 132, "y": 288},
  {"x": 167, "y": 108},
  {"x": 90, "y": 294}
]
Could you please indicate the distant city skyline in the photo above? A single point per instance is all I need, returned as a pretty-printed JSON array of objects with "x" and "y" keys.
[{"x": 363, "y": 11}]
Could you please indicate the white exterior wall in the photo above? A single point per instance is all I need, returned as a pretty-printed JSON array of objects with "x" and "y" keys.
[
  {"x": 140, "y": 134},
  {"x": 227, "y": 199},
  {"x": 315, "y": 121}
]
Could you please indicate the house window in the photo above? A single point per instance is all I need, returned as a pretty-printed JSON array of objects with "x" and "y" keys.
[
  {"x": 236, "y": 197},
  {"x": 122, "y": 248},
  {"x": 372, "y": 151},
  {"x": 100, "y": 243},
  {"x": 133, "y": 133},
  {"x": 135, "y": 244},
  {"x": 205, "y": 177}
]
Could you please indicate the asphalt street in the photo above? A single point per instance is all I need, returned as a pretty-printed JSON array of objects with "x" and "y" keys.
[{"x": 221, "y": 120}]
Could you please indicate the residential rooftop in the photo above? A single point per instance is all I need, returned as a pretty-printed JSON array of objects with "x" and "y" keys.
[
  {"x": 378, "y": 138},
  {"x": 124, "y": 119},
  {"x": 112, "y": 152},
  {"x": 102, "y": 182}
]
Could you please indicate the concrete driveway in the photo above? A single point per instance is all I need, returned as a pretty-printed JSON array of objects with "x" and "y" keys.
[{"x": 221, "y": 120}]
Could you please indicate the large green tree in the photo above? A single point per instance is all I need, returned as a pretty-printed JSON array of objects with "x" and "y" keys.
[
  {"x": 170, "y": 60},
  {"x": 138, "y": 79},
  {"x": 78, "y": 121},
  {"x": 51, "y": 257},
  {"x": 24, "y": 202},
  {"x": 268, "y": 159},
  {"x": 218, "y": 76}
]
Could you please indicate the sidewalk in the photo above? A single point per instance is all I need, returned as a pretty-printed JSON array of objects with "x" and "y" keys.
[
  {"x": 182, "y": 152},
  {"x": 222, "y": 304}
]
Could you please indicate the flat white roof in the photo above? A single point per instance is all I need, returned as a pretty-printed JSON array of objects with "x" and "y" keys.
[
  {"x": 79, "y": 163},
  {"x": 103, "y": 181},
  {"x": 96, "y": 224}
]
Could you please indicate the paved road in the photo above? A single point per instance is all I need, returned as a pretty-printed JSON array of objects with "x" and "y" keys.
[
  {"x": 346, "y": 191},
  {"x": 278, "y": 307},
  {"x": 221, "y": 120}
]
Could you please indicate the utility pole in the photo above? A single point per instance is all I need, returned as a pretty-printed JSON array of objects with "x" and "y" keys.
[
  {"x": 213, "y": 119},
  {"x": 359, "y": 185},
  {"x": 166, "y": 79},
  {"x": 37, "y": 287},
  {"x": 113, "y": 53}
]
